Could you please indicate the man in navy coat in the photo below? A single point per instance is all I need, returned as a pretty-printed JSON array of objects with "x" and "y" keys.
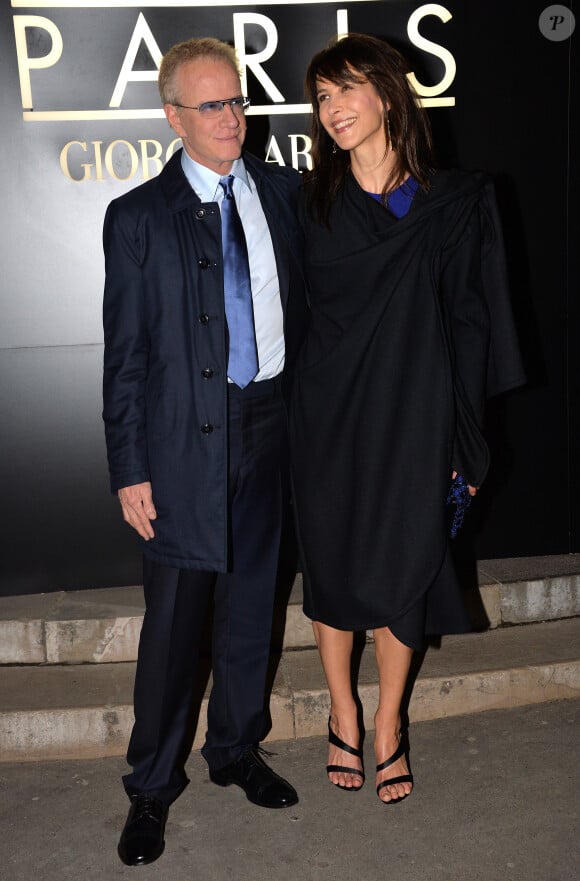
[{"x": 198, "y": 462}]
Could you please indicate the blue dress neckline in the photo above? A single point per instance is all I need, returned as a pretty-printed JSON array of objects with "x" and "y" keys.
[{"x": 399, "y": 201}]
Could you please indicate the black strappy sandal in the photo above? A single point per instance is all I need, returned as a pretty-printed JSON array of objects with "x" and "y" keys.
[
  {"x": 336, "y": 741},
  {"x": 401, "y": 750}
]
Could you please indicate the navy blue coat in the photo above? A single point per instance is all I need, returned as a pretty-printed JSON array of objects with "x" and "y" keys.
[{"x": 165, "y": 393}]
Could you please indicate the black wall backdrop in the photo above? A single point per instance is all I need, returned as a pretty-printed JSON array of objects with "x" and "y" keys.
[{"x": 81, "y": 124}]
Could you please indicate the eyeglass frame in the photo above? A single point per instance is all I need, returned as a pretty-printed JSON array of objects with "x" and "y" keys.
[{"x": 239, "y": 101}]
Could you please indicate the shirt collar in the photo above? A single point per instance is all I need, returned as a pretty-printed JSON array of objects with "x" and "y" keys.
[{"x": 204, "y": 181}]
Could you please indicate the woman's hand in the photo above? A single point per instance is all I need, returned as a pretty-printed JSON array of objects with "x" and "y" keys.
[{"x": 472, "y": 489}]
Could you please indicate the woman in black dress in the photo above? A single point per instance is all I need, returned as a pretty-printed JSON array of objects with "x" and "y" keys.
[{"x": 410, "y": 329}]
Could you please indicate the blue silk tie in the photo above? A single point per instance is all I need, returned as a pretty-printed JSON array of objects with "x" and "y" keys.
[{"x": 243, "y": 353}]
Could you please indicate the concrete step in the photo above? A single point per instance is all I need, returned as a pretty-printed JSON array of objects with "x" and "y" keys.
[
  {"x": 74, "y": 711},
  {"x": 99, "y": 626}
]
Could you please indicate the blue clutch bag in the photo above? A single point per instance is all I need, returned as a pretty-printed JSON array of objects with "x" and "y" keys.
[{"x": 459, "y": 501}]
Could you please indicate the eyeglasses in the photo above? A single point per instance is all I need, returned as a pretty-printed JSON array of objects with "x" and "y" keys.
[{"x": 214, "y": 108}]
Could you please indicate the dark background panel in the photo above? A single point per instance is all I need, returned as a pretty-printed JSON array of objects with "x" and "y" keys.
[
  {"x": 512, "y": 119},
  {"x": 515, "y": 116},
  {"x": 61, "y": 527},
  {"x": 573, "y": 300}
]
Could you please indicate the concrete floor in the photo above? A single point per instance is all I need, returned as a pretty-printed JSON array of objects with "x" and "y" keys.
[{"x": 496, "y": 799}]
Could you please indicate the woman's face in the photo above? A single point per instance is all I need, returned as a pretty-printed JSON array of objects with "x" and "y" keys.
[{"x": 353, "y": 114}]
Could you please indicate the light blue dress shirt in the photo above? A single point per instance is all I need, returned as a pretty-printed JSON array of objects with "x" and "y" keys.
[{"x": 268, "y": 316}]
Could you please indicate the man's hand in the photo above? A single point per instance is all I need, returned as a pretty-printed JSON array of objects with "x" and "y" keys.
[{"x": 138, "y": 508}]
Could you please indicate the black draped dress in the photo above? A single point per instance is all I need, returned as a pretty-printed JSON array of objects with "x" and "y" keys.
[{"x": 410, "y": 329}]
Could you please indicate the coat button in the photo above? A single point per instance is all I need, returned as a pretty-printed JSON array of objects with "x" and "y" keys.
[
  {"x": 204, "y": 318},
  {"x": 200, "y": 213},
  {"x": 207, "y": 428},
  {"x": 207, "y": 373},
  {"x": 203, "y": 263}
]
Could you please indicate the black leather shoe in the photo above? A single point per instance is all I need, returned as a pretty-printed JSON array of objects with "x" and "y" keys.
[
  {"x": 142, "y": 838},
  {"x": 262, "y": 786}
]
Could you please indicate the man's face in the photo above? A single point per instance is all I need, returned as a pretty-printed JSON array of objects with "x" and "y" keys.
[{"x": 214, "y": 142}]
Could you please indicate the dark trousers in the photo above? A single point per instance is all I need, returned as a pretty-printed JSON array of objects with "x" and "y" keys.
[{"x": 176, "y": 602}]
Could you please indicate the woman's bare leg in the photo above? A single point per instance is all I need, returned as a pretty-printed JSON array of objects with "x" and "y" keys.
[
  {"x": 335, "y": 647},
  {"x": 393, "y": 661}
]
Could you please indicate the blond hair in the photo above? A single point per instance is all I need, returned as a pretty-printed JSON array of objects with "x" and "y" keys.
[{"x": 191, "y": 50}]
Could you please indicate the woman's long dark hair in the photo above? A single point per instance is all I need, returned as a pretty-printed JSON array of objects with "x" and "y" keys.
[{"x": 360, "y": 58}]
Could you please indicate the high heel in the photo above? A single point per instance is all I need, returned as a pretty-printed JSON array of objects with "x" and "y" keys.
[
  {"x": 336, "y": 741},
  {"x": 401, "y": 750}
]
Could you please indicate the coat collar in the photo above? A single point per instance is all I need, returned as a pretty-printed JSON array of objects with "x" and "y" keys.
[
  {"x": 175, "y": 186},
  {"x": 179, "y": 194}
]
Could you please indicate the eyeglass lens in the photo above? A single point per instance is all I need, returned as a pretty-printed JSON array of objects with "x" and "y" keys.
[{"x": 213, "y": 108}]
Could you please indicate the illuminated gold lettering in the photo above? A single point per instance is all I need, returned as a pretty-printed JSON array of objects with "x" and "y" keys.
[
  {"x": 305, "y": 151},
  {"x": 446, "y": 57},
  {"x": 341, "y": 23},
  {"x": 128, "y": 153},
  {"x": 171, "y": 149},
  {"x": 273, "y": 150},
  {"x": 141, "y": 34},
  {"x": 121, "y": 160},
  {"x": 64, "y": 162},
  {"x": 25, "y": 63},
  {"x": 146, "y": 158},
  {"x": 254, "y": 62},
  {"x": 98, "y": 160}
]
